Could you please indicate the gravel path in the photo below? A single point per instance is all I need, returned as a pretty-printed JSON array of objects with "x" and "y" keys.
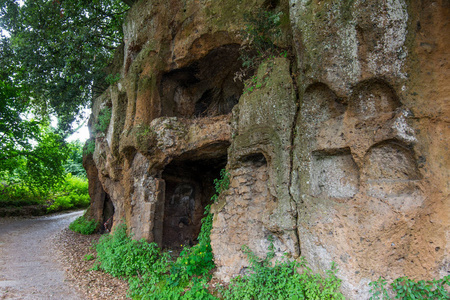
[
  {"x": 41, "y": 259},
  {"x": 29, "y": 268}
]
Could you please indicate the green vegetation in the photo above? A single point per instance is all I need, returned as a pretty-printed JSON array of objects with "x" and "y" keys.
[
  {"x": 83, "y": 226},
  {"x": 72, "y": 193},
  {"x": 49, "y": 192},
  {"x": 88, "y": 257},
  {"x": 58, "y": 51},
  {"x": 406, "y": 289},
  {"x": 221, "y": 184},
  {"x": 145, "y": 134},
  {"x": 104, "y": 117},
  {"x": 261, "y": 32},
  {"x": 74, "y": 162},
  {"x": 89, "y": 147},
  {"x": 281, "y": 280},
  {"x": 153, "y": 274},
  {"x": 34, "y": 156},
  {"x": 111, "y": 79},
  {"x": 54, "y": 57}
]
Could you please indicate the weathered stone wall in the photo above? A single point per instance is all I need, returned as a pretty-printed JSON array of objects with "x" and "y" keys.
[
  {"x": 258, "y": 203},
  {"x": 340, "y": 153},
  {"x": 368, "y": 192}
]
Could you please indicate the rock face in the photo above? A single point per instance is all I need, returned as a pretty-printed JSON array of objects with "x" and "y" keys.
[{"x": 340, "y": 153}]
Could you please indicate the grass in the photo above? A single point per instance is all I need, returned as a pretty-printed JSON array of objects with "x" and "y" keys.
[{"x": 71, "y": 193}]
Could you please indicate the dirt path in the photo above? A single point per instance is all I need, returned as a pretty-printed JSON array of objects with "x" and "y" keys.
[{"x": 29, "y": 268}]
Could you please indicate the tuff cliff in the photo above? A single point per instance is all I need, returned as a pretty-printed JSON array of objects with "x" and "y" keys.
[{"x": 339, "y": 150}]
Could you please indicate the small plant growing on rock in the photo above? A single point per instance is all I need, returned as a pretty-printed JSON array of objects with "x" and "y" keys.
[
  {"x": 104, "y": 117},
  {"x": 221, "y": 184},
  {"x": 261, "y": 31},
  {"x": 145, "y": 134},
  {"x": 89, "y": 147}
]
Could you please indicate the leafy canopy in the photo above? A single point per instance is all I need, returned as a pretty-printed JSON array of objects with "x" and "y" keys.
[
  {"x": 53, "y": 57},
  {"x": 58, "y": 50}
]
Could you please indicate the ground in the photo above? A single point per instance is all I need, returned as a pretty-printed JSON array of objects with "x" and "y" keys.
[{"x": 40, "y": 258}]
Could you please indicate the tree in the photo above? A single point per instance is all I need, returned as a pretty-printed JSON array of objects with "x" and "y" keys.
[
  {"x": 53, "y": 60},
  {"x": 74, "y": 163},
  {"x": 58, "y": 50}
]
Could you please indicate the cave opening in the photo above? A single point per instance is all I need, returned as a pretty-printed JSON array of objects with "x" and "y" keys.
[
  {"x": 108, "y": 214},
  {"x": 189, "y": 186},
  {"x": 205, "y": 88}
]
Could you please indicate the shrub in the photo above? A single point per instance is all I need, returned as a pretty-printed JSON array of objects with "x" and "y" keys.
[
  {"x": 124, "y": 257},
  {"x": 406, "y": 289},
  {"x": 83, "y": 226},
  {"x": 281, "y": 280},
  {"x": 72, "y": 193},
  {"x": 17, "y": 195}
]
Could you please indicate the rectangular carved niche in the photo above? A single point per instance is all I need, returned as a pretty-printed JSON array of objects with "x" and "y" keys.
[
  {"x": 188, "y": 189},
  {"x": 334, "y": 174}
]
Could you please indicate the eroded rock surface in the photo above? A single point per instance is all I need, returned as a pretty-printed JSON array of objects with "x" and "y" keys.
[{"x": 340, "y": 153}]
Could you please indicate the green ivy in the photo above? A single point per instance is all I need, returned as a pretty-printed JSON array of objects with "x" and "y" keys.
[{"x": 221, "y": 184}]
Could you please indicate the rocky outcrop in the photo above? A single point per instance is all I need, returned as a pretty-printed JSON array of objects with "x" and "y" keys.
[{"x": 338, "y": 151}]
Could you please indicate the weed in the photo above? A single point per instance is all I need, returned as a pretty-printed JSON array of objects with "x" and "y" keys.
[
  {"x": 261, "y": 32},
  {"x": 144, "y": 136},
  {"x": 88, "y": 257},
  {"x": 405, "y": 288},
  {"x": 104, "y": 117},
  {"x": 83, "y": 226},
  {"x": 281, "y": 280},
  {"x": 378, "y": 289},
  {"x": 221, "y": 184},
  {"x": 89, "y": 147},
  {"x": 122, "y": 256},
  {"x": 150, "y": 272}
]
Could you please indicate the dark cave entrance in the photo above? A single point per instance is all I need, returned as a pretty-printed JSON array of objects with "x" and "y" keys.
[
  {"x": 205, "y": 88},
  {"x": 108, "y": 214},
  {"x": 188, "y": 189}
]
